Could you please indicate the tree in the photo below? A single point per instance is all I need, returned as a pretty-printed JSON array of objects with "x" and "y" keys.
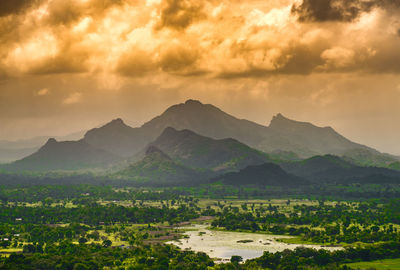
[
  {"x": 236, "y": 259},
  {"x": 80, "y": 266},
  {"x": 82, "y": 240},
  {"x": 107, "y": 243}
]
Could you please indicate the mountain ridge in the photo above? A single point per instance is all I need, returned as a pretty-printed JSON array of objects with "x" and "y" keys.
[
  {"x": 157, "y": 168},
  {"x": 197, "y": 151},
  {"x": 65, "y": 155},
  {"x": 282, "y": 134},
  {"x": 282, "y": 138}
]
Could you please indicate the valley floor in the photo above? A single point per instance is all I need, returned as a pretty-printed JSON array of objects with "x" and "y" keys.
[{"x": 73, "y": 227}]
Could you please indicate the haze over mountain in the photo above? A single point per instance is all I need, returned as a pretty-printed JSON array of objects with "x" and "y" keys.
[
  {"x": 159, "y": 169},
  {"x": 186, "y": 157},
  {"x": 267, "y": 174},
  {"x": 18, "y": 149},
  {"x": 204, "y": 119},
  {"x": 303, "y": 139},
  {"x": 204, "y": 153},
  {"x": 117, "y": 138},
  {"x": 66, "y": 155},
  {"x": 283, "y": 138},
  {"x": 310, "y": 139},
  {"x": 329, "y": 168}
]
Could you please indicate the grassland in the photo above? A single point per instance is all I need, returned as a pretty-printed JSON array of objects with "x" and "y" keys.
[{"x": 393, "y": 264}]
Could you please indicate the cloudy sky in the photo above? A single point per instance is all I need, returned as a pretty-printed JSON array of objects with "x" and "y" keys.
[{"x": 69, "y": 65}]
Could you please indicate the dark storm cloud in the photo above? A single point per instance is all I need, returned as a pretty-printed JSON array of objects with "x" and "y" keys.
[
  {"x": 63, "y": 12},
  {"x": 338, "y": 10},
  {"x": 174, "y": 59},
  {"x": 303, "y": 61},
  {"x": 178, "y": 59},
  {"x": 59, "y": 64},
  {"x": 10, "y": 7},
  {"x": 179, "y": 14},
  {"x": 134, "y": 63}
]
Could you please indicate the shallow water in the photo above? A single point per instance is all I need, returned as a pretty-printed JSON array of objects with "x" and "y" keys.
[{"x": 223, "y": 245}]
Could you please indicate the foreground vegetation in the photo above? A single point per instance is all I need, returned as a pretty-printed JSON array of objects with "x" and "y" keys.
[
  {"x": 101, "y": 227},
  {"x": 393, "y": 264}
]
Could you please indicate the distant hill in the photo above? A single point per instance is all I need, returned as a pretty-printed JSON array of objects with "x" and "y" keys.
[
  {"x": 8, "y": 155},
  {"x": 200, "y": 152},
  {"x": 267, "y": 174},
  {"x": 369, "y": 157},
  {"x": 203, "y": 119},
  {"x": 118, "y": 138},
  {"x": 329, "y": 168},
  {"x": 283, "y": 135},
  {"x": 310, "y": 139},
  {"x": 159, "y": 169},
  {"x": 67, "y": 155},
  {"x": 395, "y": 166},
  {"x": 187, "y": 158},
  {"x": 283, "y": 139},
  {"x": 17, "y": 149}
]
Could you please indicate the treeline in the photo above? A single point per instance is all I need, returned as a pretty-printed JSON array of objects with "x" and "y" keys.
[
  {"x": 331, "y": 191},
  {"x": 304, "y": 258},
  {"x": 367, "y": 222},
  {"x": 31, "y": 194},
  {"x": 95, "y": 214},
  {"x": 313, "y": 192},
  {"x": 68, "y": 256}
]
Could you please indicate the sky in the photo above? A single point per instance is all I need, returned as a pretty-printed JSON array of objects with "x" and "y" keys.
[{"x": 70, "y": 65}]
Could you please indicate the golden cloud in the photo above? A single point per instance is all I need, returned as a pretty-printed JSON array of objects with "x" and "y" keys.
[{"x": 203, "y": 38}]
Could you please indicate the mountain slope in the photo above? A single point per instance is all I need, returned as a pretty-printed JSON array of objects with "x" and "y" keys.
[
  {"x": 159, "y": 169},
  {"x": 8, "y": 155},
  {"x": 210, "y": 121},
  {"x": 281, "y": 136},
  {"x": 267, "y": 174},
  {"x": 17, "y": 149},
  {"x": 310, "y": 139},
  {"x": 67, "y": 155},
  {"x": 204, "y": 153},
  {"x": 204, "y": 119},
  {"x": 118, "y": 138},
  {"x": 330, "y": 168},
  {"x": 369, "y": 157}
]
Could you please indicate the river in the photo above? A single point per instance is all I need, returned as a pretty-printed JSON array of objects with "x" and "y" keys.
[{"x": 222, "y": 245}]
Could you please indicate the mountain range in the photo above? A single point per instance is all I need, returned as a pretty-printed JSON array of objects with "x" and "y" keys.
[
  {"x": 192, "y": 140},
  {"x": 282, "y": 135}
]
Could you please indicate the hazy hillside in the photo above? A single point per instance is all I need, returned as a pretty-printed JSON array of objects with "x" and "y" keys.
[
  {"x": 310, "y": 139},
  {"x": 262, "y": 175},
  {"x": 281, "y": 136},
  {"x": 158, "y": 168},
  {"x": 369, "y": 157},
  {"x": 18, "y": 149},
  {"x": 331, "y": 168},
  {"x": 283, "y": 139},
  {"x": 8, "y": 155},
  {"x": 118, "y": 138},
  {"x": 205, "y": 153},
  {"x": 67, "y": 155},
  {"x": 204, "y": 119}
]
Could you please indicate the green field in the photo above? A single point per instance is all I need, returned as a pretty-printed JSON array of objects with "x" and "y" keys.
[{"x": 393, "y": 264}]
